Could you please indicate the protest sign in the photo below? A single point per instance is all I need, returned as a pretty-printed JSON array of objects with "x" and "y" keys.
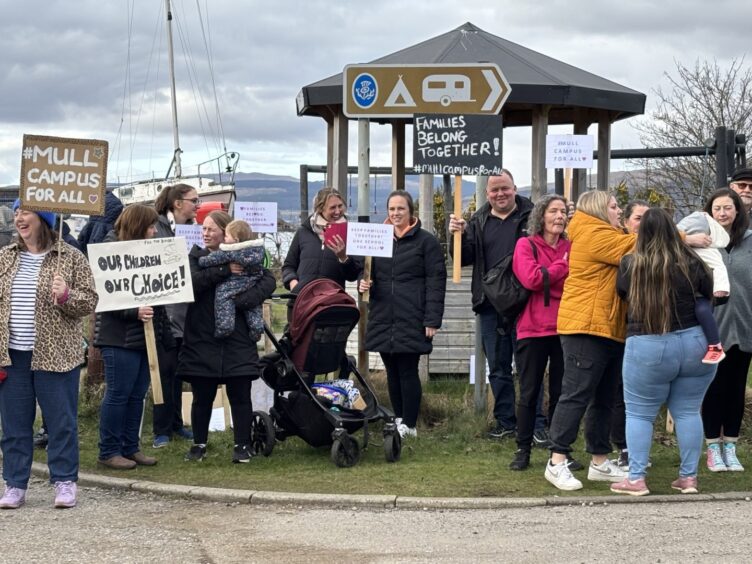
[
  {"x": 261, "y": 216},
  {"x": 130, "y": 274},
  {"x": 369, "y": 239},
  {"x": 63, "y": 175},
  {"x": 457, "y": 144},
  {"x": 569, "y": 151},
  {"x": 191, "y": 233}
]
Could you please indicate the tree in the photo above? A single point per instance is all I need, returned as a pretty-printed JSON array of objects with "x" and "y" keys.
[{"x": 699, "y": 99}]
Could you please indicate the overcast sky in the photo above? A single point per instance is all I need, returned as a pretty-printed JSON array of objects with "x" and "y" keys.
[{"x": 97, "y": 69}]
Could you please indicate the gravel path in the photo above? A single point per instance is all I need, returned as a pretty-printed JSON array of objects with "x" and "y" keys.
[{"x": 125, "y": 526}]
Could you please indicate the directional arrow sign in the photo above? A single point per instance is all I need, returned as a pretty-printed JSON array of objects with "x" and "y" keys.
[{"x": 392, "y": 91}]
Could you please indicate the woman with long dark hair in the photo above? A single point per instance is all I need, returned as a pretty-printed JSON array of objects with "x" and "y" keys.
[{"x": 664, "y": 348}]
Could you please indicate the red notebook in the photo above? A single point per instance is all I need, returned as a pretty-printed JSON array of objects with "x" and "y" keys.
[{"x": 335, "y": 229}]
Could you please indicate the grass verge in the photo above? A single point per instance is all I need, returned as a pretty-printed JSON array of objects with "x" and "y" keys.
[{"x": 450, "y": 458}]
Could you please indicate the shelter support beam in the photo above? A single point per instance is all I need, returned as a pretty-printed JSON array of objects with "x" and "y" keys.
[
  {"x": 398, "y": 155},
  {"x": 604, "y": 150},
  {"x": 579, "y": 175},
  {"x": 540, "y": 129}
]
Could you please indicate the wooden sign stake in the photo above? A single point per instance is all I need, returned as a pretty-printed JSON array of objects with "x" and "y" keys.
[
  {"x": 457, "y": 255},
  {"x": 367, "y": 278},
  {"x": 151, "y": 353}
]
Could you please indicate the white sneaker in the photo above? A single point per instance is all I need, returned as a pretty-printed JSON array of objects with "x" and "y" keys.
[
  {"x": 607, "y": 471},
  {"x": 398, "y": 421},
  {"x": 561, "y": 477},
  {"x": 405, "y": 431}
]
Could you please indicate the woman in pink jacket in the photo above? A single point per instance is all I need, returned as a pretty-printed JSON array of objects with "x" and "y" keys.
[{"x": 541, "y": 264}]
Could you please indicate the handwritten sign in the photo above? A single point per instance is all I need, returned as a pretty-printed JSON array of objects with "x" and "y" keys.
[
  {"x": 63, "y": 175},
  {"x": 569, "y": 151},
  {"x": 460, "y": 144},
  {"x": 192, "y": 235},
  {"x": 261, "y": 216},
  {"x": 130, "y": 274},
  {"x": 370, "y": 239}
]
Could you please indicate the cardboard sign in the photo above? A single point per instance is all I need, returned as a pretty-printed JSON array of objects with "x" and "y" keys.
[
  {"x": 370, "y": 239},
  {"x": 63, "y": 175},
  {"x": 130, "y": 274},
  {"x": 569, "y": 151},
  {"x": 261, "y": 216},
  {"x": 459, "y": 144},
  {"x": 192, "y": 235}
]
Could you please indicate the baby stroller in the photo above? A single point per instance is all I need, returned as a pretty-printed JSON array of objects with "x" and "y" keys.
[{"x": 323, "y": 317}]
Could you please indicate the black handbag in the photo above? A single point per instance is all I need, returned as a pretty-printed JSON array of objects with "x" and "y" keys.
[{"x": 505, "y": 292}]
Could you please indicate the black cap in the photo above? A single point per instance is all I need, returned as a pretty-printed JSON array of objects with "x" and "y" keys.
[{"x": 742, "y": 174}]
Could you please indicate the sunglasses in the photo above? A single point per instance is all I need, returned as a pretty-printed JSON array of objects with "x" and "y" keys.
[{"x": 194, "y": 201}]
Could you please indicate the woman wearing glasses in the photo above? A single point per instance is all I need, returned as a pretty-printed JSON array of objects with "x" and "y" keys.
[{"x": 176, "y": 205}]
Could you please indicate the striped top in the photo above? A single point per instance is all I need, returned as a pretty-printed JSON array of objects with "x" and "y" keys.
[{"x": 23, "y": 297}]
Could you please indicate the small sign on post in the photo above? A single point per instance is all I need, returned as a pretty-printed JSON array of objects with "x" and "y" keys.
[
  {"x": 261, "y": 216},
  {"x": 369, "y": 240},
  {"x": 569, "y": 151},
  {"x": 63, "y": 175},
  {"x": 130, "y": 274}
]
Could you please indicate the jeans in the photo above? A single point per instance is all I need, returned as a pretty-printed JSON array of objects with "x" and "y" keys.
[
  {"x": 126, "y": 373},
  {"x": 403, "y": 381},
  {"x": 498, "y": 349},
  {"x": 666, "y": 369},
  {"x": 57, "y": 394},
  {"x": 168, "y": 416},
  {"x": 591, "y": 368}
]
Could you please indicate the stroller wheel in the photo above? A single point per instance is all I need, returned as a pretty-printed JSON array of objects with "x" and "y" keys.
[
  {"x": 392, "y": 447},
  {"x": 262, "y": 433},
  {"x": 345, "y": 451}
]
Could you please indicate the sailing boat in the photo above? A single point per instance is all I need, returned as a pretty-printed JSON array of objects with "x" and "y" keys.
[{"x": 215, "y": 178}]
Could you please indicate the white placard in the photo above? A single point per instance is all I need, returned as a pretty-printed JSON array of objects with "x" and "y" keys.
[
  {"x": 569, "y": 151},
  {"x": 130, "y": 274},
  {"x": 369, "y": 239},
  {"x": 261, "y": 216},
  {"x": 191, "y": 234}
]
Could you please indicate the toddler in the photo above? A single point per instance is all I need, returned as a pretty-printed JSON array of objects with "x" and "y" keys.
[
  {"x": 701, "y": 222},
  {"x": 249, "y": 253}
]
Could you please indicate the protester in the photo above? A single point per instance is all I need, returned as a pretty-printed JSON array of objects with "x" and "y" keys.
[
  {"x": 406, "y": 306},
  {"x": 538, "y": 344},
  {"x": 207, "y": 361},
  {"x": 47, "y": 287},
  {"x": 120, "y": 336},
  {"x": 98, "y": 226},
  {"x": 633, "y": 213},
  {"x": 741, "y": 183},
  {"x": 723, "y": 407},
  {"x": 487, "y": 238},
  {"x": 311, "y": 257},
  {"x": 176, "y": 205},
  {"x": 592, "y": 326},
  {"x": 238, "y": 247},
  {"x": 664, "y": 349}
]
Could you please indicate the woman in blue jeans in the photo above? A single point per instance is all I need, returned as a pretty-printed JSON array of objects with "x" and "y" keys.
[
  {"x": 664, "y": 349},
  {"x": 120, "y": 336}
]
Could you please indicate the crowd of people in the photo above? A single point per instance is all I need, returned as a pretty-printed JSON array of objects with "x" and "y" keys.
[{"x": 626, "y": 312}]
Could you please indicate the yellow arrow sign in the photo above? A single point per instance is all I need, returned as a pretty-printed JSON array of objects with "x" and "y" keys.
[{"x": 392, "y": 91}]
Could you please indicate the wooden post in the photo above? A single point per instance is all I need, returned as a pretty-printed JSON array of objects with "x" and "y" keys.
[
  {"x": 579, "y": 183},
  {"x": 480, "y": 392},
  {"x": 540, "y": 128},
  {"x": 457, "y": 254},
  {"x": 151, "y": 353},
  {"x": 398, "y": 155},
  {"x": 669, "y": 422},
  {"x": 604, "y": 150},
  {"x": 425, "y": 207},
  {"x": 303, "y": 193},
  {"x": 338, "y": 176},
  {"x": 364, "y": 216},
  {"x": 568, "y": 184},
  {"x": 367, "y": 277}
]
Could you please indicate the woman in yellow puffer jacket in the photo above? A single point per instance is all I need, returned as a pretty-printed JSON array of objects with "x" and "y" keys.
[{"x": 592, "y": 325}]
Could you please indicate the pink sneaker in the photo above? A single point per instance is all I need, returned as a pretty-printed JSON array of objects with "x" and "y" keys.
[
  {"x": 629, "y": 487},
  {"x": 13, "y": 498},
  {"x": 714, "y": 355},
  {"x": 686, "y": 484},
  {"x": 65, "y": 494}
]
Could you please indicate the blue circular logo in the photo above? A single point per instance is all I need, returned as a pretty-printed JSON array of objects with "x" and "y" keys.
[{"x": 365, "y": 90}]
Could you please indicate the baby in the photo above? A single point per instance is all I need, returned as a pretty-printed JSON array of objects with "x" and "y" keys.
[
  {"x": 700, "y": 222},
  {"x": 249, "y": 253}
]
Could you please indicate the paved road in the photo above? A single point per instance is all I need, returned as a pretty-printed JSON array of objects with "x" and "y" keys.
[{"x": 119, "y": 526}]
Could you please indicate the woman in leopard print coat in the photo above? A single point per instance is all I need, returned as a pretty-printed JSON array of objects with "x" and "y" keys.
[{"x": 45, "y": 291}]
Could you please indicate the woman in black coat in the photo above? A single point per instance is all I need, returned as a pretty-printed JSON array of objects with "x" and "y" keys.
[
  {"x": 207, "y": 361},
  {"x": 406, "y": 307},
  {"x": 309, "y": 257}
]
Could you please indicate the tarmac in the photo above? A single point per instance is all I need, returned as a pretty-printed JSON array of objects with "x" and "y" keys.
[{"x": 323, "y": 500}]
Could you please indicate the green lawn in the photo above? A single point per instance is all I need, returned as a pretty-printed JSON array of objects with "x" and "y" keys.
[{"x": 451, "y": 457}]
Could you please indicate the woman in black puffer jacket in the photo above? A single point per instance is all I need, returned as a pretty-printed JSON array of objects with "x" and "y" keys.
[{"x": 406, "y": 306}]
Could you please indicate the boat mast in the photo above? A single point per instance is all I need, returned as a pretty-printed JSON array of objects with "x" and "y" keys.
[{"x": 176, "y": 140}]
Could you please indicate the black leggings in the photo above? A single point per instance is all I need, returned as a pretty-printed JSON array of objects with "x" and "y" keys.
[
  {"x": 239, "y": 394},
  {"x": 723, "y": 406},
  {"x": 404, "y": 385}
]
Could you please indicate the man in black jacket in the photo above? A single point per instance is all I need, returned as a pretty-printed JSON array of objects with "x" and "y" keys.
[{"x": 489, "y": 236}]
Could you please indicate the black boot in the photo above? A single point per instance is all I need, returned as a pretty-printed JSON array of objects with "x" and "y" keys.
[{"x": 521, "y": 460}]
